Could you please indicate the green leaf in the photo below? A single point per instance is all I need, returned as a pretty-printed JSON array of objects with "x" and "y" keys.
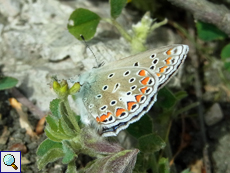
[
  {"x": 150, "y": 143},
  {"x": 180, "y": 95},
  {"x": 186, "y": 171},
  {"x": 227, "y": 66},
  {"x": 69, "y": 153},
  {"x": 53, "y": 122},
  {"x": 166, "y": 99},
  {"x": 71, "y": 168},
  {"x": 7, "y": 83},
  {"x": 51, "y": 137},
  {"x": 141, "y": 127},
  {"x": 58, "y": 135},
  {"x": 164, "y": 166},
  {"x": 83, "y": 22},
  {"x": 225, "y": 52},
  {"x": 47, "y": 145},
  {"x": 50, "y": 156},
  {"x": 117, "y": 162},
  {"x": 208, "y": 32},
  {"x": 225, "y": 56},
  {"x": 66, "y": 129},
  {"x": 116, "y": 7},
  {"x": 55, "y": 107}
]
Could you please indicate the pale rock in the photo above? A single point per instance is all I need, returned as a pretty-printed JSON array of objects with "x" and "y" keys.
[{"x": 214, "y": 115}]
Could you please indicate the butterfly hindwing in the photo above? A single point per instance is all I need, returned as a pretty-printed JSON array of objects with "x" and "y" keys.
[{"x": 119, "y": 98}]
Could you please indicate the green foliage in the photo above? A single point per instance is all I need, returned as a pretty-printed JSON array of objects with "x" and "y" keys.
[
  {"x": 225, "y": 56},
  {"x": 116, "y": 7},
  {"x": 186, "y": 171},
  {"x": 50, "y": 156},
  {"x": 71, "y": 167},
  {"x": 7, "y": 82},
  {"x": 209, "y": 32},
  {"x": 54, "y": 108},
  {"x": 137, "y": 129},
  {"x": 83, "y": 22},
  {"x": 47, "y": 145},
  {"x": 167, "y": 98},
  {"x": 164, "y": 166},
  {"x": 69, "y": 153},
  {"x": 151, "y": 143},
  {"x": 117, "y": 162}
]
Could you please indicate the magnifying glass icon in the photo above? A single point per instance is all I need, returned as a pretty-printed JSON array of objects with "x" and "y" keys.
[{"x": 9, "y": 160}]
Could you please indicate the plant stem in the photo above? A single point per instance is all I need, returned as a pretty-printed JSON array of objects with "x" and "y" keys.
[
  {"x": 119, "y": 28},
  {"x": 154, "y": 164}
]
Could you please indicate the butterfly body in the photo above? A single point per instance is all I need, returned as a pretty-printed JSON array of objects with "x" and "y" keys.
[{"x": 115, "y": 95}]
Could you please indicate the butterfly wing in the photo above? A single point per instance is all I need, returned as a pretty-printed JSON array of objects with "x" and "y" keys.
[
  {"x": 164, "y": 61},
  {"x": 120, "y": 93},
  {"x": 118, "y": 98}
]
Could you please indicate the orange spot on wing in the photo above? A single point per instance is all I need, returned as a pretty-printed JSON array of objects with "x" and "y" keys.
[
  {"x": 144, "y": 89},
  {"x": 158, "y": 74},
  {"x": 103, "y": 117},
  {"x": 168, "y": 60},
  {"x": 138, "y": 98},
  {"x": 162, "y": 69},
  {"x": 130, "y": 104},
  {"x": 119, "y": 111},
  {"x": 142, "y": 73},
  {"x": 145, "y": 81},
  {"x": 169, "y": 52}
]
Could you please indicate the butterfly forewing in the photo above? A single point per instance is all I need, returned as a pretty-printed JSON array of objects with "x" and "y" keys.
[{"x": 163, "y": 61}]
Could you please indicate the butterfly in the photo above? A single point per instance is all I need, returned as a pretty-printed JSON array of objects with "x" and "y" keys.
[{"x": 115, "y": 95}]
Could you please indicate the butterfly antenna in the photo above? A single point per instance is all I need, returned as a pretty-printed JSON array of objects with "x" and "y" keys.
[{"x": 82, "y": 37}]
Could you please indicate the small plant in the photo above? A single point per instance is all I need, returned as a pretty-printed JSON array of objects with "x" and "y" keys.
[
  {"x": 7, "y": 82},
  {"x": 84, "y": 22},
  {"x": 67, "y": 139}
]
